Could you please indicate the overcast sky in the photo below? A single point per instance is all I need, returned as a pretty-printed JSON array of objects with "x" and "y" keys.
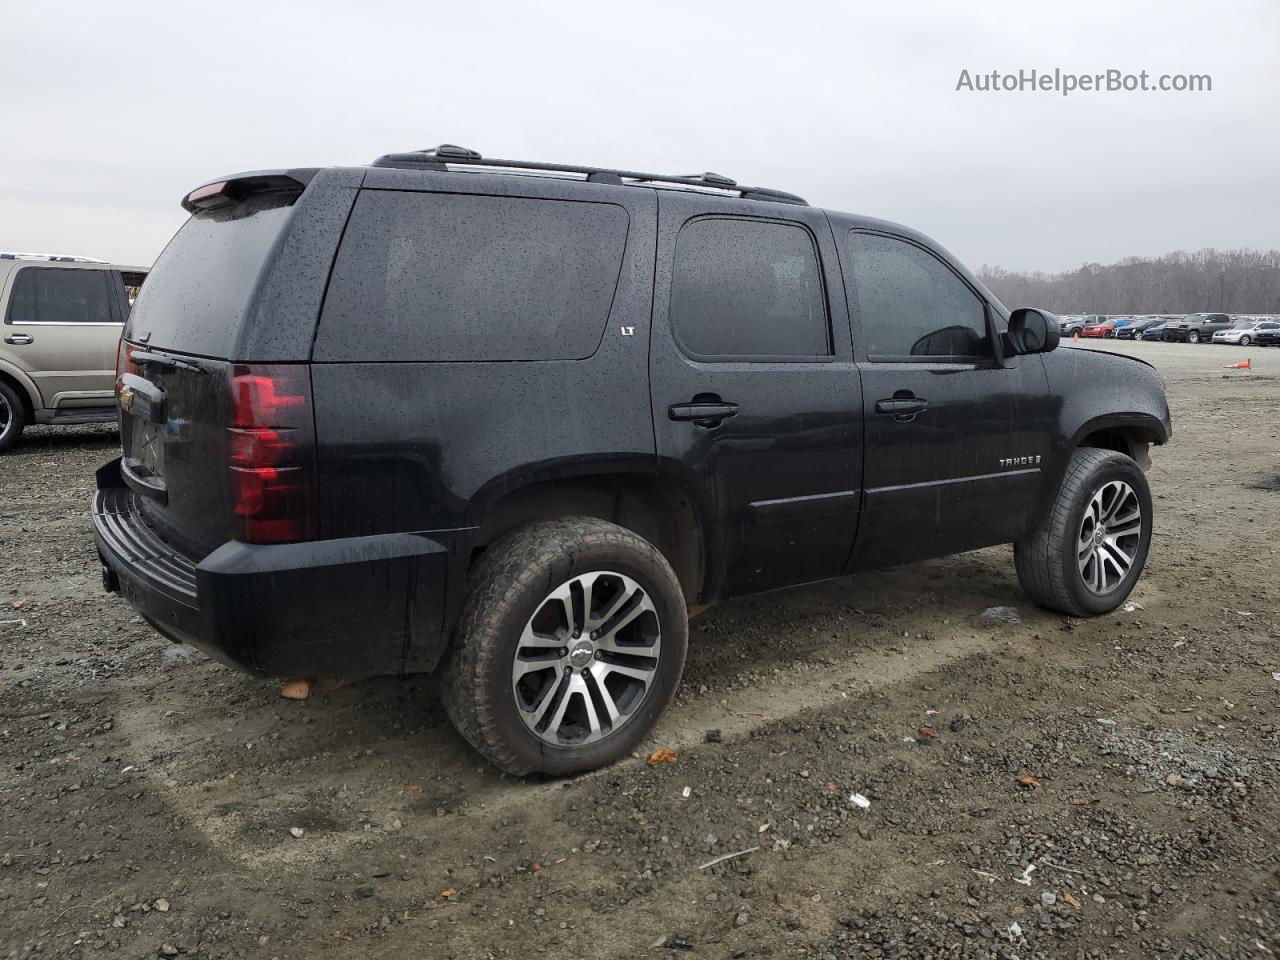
[{"x": 111, "y": 111}]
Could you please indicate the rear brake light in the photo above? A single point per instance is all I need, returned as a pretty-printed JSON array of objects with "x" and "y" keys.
[
  {"x": 124, "y": 362},
  {"x": 226, "y": 193},
  {"x": 271, "y": 453},
  {"x": 209, "y": 197}
]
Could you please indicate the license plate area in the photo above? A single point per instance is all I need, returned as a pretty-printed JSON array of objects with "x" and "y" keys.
[{"x": 142, "y": 465}]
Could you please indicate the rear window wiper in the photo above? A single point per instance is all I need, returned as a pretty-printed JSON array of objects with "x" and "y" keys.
[{"x": 164, "y": 360}]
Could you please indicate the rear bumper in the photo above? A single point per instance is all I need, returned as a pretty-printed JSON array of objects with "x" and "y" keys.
[{"x": 351, "y": 608}]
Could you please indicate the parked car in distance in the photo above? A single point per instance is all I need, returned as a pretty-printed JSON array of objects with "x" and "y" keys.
[
  {"x": 1268, "y": 337},
  {"x": 1196, "y": 327},
  {"x": 1100, "y": 329},
  {"x": 1118, "y": 324},
  {"x": 62, "y": 318},
  {"x": 637, "y": 395},
  {"x": 1245, "y": 331},
  {"x": 1153, "y": 332},
  {"x": 1078, "y": 324},
  {"x": 1132, "y": 329}
]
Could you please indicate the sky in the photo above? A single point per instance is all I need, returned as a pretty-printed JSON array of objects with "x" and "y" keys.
[{"x": 111, "y": 111}]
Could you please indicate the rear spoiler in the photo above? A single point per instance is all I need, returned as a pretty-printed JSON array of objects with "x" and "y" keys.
[{"x": 227, "y": 191}]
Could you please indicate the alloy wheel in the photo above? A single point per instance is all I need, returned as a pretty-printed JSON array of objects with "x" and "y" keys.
[
  {"x": 587, "y": 659},
  {"x": 1244, "y": 341},
  {"x": 6, "y": 416},
  {"x": 1109, "y": 537},
  {"x": 1193, "y": 337}
]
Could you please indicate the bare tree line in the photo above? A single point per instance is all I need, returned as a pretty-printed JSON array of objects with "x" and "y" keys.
[{"x": 1226, "y": 281}]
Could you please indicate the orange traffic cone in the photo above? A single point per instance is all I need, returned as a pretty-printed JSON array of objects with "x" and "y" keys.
[{"x": 1242, "y": 365}]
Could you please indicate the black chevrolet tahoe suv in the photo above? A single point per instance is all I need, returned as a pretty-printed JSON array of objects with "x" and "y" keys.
[{"x": 511, "y": 423}]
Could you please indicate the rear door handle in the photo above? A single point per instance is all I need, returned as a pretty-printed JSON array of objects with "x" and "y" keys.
[
  {"x": 703, "y": 414},
  {"x": 141, "y": 398},
  {"x": 902, "y": 408},
  {"x": 19, "y": 339}
]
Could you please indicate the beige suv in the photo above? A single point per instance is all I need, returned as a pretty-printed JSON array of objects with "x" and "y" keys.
[{"x": 62, "y": 318}]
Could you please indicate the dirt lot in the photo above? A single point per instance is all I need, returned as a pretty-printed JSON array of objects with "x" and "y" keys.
[{"x": 1104, "y": 788}]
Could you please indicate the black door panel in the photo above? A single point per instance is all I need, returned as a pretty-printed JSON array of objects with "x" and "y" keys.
[
  {"x": 772, "y": 441},
  {"x": 956, "y": 435},
  {"x": 963, "y": 473}
]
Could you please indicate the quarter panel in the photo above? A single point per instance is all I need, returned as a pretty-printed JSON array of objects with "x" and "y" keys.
[
  {"x": 286, "y": 306},
  {"x": 421, "y": 445},
  {"x": 20, "y": 375}
]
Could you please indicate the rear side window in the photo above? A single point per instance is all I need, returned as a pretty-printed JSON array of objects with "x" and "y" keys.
[
  {"x": 911, "y": 305},
  {"x": 196, "y": 297},
  {"x": 748, "y": 288},
  {"x": 60, "y": 295},
  {"x": 429, "y": 276}
]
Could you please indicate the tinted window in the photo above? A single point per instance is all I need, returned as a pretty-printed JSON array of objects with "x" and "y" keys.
[
  {"x": 911, "y": 305},
  {"x": 60, "y": 295},
  {"x": 748, "y": 288},
  {"x": 132, "y": 280},
  {"x": 197, "y": 294},
  {"x": 424, "y": 276}
]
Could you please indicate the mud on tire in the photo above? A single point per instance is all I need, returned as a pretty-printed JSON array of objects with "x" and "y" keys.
[
  {"x": 1049, "y": 558},
  {"x": 514, "y": 580}
]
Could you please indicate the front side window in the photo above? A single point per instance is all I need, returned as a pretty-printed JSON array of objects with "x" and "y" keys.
[
  {"x": 60, "y": 295},
  {"x": 911, "y": 305},
  {"x": 748, "y": 289}
]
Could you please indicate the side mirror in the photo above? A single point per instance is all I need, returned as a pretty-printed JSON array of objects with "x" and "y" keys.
[{"x": 1032, "y": 331}]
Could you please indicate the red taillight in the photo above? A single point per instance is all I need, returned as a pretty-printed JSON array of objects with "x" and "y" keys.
[
  {"x": 271, "y": 453},
  {"x": 124, "y": 361}
]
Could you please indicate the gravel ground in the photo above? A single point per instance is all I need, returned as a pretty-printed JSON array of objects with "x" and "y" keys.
[{"x": 1036, "y": 787}]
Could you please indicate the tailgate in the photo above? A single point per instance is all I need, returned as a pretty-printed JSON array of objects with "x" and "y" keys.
[{"x": 219, "y": 339}]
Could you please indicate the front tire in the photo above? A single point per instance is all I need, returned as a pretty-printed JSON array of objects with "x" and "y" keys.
[
  {"x": 1193, "y": 337},
  {"x": 569, "y": 647},
  {"x": 1088, "y": 551},
  {"x": 1245, "y": 341},
  {"x": 13, "y": 417}
]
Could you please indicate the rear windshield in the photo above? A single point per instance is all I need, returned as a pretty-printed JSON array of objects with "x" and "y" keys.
[
  {"x": 196, "y": 296},
  {"x": 429, "y": 276}
]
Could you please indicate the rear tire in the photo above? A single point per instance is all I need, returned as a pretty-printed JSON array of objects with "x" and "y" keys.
[
  {"x": 602, "y": 609},
  {"x": 1088, "y": 551},
  {"x": 13, "y": 417}
]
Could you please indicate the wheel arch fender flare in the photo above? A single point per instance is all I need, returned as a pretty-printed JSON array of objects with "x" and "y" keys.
[
  {"x": 1150, "y": 427},
  {"x": 659, "y": 502},
  {"x": 26, "y": 386}
]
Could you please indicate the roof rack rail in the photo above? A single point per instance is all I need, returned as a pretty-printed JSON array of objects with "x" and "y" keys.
[
  {"x": 59, "y": 257},
  {"x": 447, "y": 154}
]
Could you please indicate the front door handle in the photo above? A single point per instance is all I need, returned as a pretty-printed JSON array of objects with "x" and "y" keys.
[
  {"x": 902, "y": 408},
  {"x": 19, "y": 339},
  {"x": 703, "y": 413}
]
